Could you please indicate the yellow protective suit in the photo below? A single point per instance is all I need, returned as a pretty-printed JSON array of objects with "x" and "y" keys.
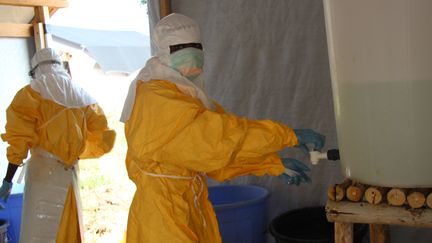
[
  {"x": 172, "y": 141},
  {"x": 68, "y": 133}
]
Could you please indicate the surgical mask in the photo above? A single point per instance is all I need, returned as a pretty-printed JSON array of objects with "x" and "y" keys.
[{"x": 189, "y": 62}]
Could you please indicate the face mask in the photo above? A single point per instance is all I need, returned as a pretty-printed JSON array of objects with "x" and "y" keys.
[{"x": 189, "y": 62}]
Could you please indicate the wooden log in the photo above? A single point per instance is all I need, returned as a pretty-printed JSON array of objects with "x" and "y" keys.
[
  {"x": 429, "y": 200},
  {"x": 340, "y": 189},
  {"x": 366, "y": 213},
  {"x": 375, "y": 195},
  {"x": 379, "y": 233},
  {"x": 416, "y": 198},
  {"x": 331, "y": 192},
  {"x": 396, "y": 196},
  {"x": 355, "y": 192}
]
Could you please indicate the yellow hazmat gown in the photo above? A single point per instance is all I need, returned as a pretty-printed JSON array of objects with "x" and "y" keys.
[
  {"x": 172, "y": 141},
  {"x": 49, "y": 131}
]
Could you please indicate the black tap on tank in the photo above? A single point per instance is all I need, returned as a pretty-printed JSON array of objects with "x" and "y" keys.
[{"x": 333, "y": 154}]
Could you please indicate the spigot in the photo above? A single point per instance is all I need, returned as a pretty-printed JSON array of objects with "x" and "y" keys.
[{"x": 316, "y": 156}]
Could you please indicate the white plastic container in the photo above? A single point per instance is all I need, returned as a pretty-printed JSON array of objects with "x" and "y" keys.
[{"x": 381, "y": 67}]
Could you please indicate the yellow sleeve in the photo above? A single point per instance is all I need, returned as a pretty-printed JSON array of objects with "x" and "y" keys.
[
  {"x": 248, "y": 165},
  {"x": 267, "y": 164},
  {"x": 100, "y": 139},
  {"x": 21, "y": 117},
  {"x": 169, "y": 127}
]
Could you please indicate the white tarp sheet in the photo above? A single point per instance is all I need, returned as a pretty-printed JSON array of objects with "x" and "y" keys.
[{"x": 120, "y": 51}]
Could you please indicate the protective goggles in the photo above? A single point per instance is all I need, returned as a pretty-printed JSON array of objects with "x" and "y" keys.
[
  {"x": 175, "y": 48},
  {"x": 32, "y": 71}
]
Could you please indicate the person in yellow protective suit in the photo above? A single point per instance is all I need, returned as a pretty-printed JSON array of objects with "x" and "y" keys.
[
  {"x": 59, "y": 123},
  {"x": 177, "y": 136}
]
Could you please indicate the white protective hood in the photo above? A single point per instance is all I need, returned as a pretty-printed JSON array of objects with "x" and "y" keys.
[
  {"x": 171, "y": 30},
  {"x": 52, "y": 81}
]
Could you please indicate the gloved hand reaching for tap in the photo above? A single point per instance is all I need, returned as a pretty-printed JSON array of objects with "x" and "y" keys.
[
  {"x": 295, "y": 172},
  {"x": 308, "y": 136},
  {"x": 5, "y": 190}
]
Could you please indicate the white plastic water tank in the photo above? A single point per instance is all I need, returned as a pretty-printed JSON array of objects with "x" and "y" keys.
[{"x": 381, "y": 67}]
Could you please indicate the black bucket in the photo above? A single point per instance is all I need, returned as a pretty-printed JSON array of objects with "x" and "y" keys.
[{"x": 308, "y": 225}]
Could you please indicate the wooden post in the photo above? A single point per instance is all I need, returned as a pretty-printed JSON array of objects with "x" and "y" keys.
[
  {"x": 39, "y": 36},
  {"x": 343, "y": 232},
  {"x": 375, "y": 195},
  {"x": 42, "y": 40},
  {"x": 396, "y": 196},
  {"x": 379, "y": 233},
  {"x": 165, "y": 8},
  {"x": 41, "y": 14}
]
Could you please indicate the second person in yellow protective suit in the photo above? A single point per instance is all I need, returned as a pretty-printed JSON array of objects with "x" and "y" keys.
[
  {"x": 177, "y": 136},
  {"x": 59, "y": 123}
]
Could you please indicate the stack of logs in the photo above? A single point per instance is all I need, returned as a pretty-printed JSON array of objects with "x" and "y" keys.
[{"x": 357, "y": 192}]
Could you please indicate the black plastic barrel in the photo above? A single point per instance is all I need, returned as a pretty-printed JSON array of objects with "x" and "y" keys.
[{"x": 308, "y": 225}]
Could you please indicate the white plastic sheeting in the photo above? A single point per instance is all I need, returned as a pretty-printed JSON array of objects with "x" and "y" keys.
[
  {"x": 268, "y": 59},
  {"x": 120, "y": 51},
  {"x": 15, "y": 54}
]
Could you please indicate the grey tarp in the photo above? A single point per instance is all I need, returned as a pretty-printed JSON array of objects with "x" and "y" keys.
[
  {"x": 122, "y": 51},
  {"x": 269, "y": 60}
]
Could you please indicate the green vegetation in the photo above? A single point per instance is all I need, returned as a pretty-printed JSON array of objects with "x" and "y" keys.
[{"x": 93, "y": 182}]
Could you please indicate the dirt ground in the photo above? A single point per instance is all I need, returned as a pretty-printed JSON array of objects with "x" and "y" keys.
[{"x": 106, "y": 191}]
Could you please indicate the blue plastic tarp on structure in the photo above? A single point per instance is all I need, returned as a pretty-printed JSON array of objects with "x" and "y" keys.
[{"x": 122, "y": 51}]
